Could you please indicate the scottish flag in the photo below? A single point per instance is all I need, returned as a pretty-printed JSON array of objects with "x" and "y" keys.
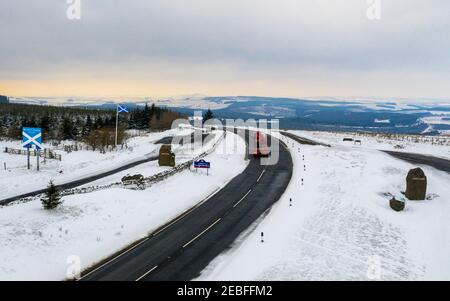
[
  {"x": 32, "y": 136},
  {"x": 121, "y": 109}
]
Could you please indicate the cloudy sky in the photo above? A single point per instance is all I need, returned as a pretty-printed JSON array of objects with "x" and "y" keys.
[{"x": 225, "y": 47}]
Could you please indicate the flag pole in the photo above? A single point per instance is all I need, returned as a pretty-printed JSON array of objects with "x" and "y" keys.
[{"x": 117, "y": 121}]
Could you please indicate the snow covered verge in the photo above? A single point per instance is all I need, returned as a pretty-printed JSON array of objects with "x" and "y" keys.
[
  {"x": 438, "y": 146},
  {"x": 36, "y": 244},
  {"x": 340, "y": 225},
  {"x": 17, "y": 179}
]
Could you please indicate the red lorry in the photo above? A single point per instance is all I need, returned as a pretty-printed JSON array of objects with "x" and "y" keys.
[{"x": 261, "y": 149}]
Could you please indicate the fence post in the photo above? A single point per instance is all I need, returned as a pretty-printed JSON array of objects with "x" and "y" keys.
[{"x": 28, "y": 157}]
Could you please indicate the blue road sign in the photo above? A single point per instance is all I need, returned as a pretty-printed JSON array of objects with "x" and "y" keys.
[
  {"x": 32, "y": 136},
  {"x": 202, "y": 164}
]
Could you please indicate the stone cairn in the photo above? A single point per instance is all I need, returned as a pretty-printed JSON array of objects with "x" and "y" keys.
[
  {"x": 416, "y": 185},
  {"x": 166, "y": 157}
]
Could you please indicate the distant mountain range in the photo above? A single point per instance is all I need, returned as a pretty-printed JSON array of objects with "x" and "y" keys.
[{"x": 412, "y": 116}]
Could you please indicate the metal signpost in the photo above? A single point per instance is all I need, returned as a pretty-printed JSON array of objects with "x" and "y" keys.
[
  {"x": 202, "y": 164},
  {"x": 120, "y": 109},
  {"x": 30, "y": 137}
]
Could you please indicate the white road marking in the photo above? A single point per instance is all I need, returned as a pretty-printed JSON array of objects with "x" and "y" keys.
[
  {"x": 260, "y": 176},
  {"x": 173, "y": 222},
  {"x": 154, "y": 234},
  {"x": 248, "y": 192},
  {"x": 185, "y": 213},
  {"x": 203, "y": 232},
  {"x": 151, "y": 270},
  {"x": 111, "y": 260}
]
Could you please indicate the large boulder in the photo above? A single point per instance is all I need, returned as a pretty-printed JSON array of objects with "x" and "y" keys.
[
  {"x": 397, "y": 205},
  {"x": 416, "y": 185},
  {"x": 166, "y": 157}
]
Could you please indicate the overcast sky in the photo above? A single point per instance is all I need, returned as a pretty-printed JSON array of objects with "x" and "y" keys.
[{"x": 225, "y": 47}]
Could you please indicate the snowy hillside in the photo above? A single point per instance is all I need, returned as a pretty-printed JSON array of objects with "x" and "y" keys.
[
  {"x": 36, "y": 244},
  {"x": 340, "y": 225},
  {"x": 425, "y": 145},
  {"x": 17, "y": 179}
]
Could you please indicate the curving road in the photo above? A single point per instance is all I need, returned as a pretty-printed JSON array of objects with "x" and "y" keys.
[
  {"x": 91, "y": 178},
  {"x": 438, "y": 163},
  {"x": 205, "y": 138},
  {"x": 184, "y": 247},
  {"x": 79, "y": 182},
  {"x": 303, "y": 140}
]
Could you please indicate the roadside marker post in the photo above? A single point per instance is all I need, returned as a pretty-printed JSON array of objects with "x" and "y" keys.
[
  {"x": 38, "y": 155},
  {"x": 28, "y": 157}
]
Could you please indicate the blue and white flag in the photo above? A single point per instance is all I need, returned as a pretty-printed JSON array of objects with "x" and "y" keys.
[
  {"x": 121, "y": 109},
  {"x": 32, "y": 136}
]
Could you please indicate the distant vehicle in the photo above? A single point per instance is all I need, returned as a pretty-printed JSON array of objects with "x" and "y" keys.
[
  {"x": 262, "y": 150},
  {"x": 347, "y": 139}
]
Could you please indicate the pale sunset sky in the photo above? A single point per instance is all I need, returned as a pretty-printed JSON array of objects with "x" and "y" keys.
[{"x": 292, "y": 48}]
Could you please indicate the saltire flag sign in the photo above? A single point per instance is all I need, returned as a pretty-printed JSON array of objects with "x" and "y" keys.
[
  {"x": 32, "y": 136},
  {"x": 121, "y": 109}
]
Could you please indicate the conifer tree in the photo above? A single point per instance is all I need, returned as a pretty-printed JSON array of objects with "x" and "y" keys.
[
  {"x": 208, "y": 115},
  {"x": 52, "y": 198}
]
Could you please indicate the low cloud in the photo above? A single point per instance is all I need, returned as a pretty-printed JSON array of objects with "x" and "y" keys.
[{"x": 219, "y": 46}]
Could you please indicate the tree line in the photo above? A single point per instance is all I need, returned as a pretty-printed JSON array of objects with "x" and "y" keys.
[{"x": 81, "y": 124}]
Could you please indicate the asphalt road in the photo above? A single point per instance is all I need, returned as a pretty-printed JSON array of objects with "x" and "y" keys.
[
  {"x": 183, "y": 248},
  {"x": 303, "y": 140},
  {"x": 185, "y": 139},
  {"x": 80, "y": 182},
  {"x": 88, "y": 179},
  {"x": 438, "y": 163}
]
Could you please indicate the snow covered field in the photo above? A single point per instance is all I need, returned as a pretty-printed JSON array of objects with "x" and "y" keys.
[
  {"x": 17, "y": 179},
  {"x": 36, "y": 244},
  {"x": 333, "y": 138},
  {"x": 341, "y": 227}
]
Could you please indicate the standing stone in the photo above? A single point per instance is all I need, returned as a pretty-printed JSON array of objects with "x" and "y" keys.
[
  {"x": 416, "y": 184},
  {"x": 166, "y": 157}
]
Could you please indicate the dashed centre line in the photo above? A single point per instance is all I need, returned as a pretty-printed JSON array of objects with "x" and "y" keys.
[{"x": 203, "y": 232}]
